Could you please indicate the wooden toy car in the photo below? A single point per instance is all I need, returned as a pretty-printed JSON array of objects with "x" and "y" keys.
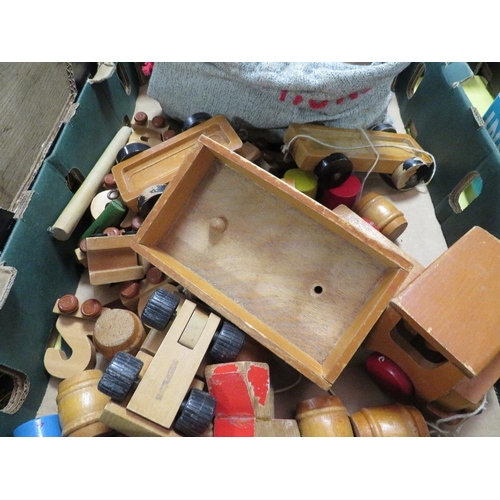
[
  {"x": 334, "y": 153},
  {"x": 301, "y": 280},
  {"x": 160, "y": 377}
]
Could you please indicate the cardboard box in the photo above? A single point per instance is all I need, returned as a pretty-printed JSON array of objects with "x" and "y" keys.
[
  {"x": 35, "y": 269},
  {"x": 436, "y": 110}
]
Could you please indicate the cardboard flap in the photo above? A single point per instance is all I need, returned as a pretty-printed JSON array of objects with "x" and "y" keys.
[{"x": 7, "y": 276}]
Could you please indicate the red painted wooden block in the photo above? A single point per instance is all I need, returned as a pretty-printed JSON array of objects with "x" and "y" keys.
[
  {"x": 345, "y": 194},
  {"x": 241, "y": 389},
  {"x": 234, "y": 427}
]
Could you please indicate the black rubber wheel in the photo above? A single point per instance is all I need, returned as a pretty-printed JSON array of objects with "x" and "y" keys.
[
  {"x": 147, "y": 199},
  {"x": 409, "y": 174},
  {"x": 120, "y": 376},
  {"x": 227, "y": 343},
  {"x": 159, "y": 309},
  {"x": 383, "y": 127},
  {"x": 195, "y": 119},
  {"x": 195, "y": 414},
  {"x": 130, "y": 150},
  {"x": 333, "y": 170}
]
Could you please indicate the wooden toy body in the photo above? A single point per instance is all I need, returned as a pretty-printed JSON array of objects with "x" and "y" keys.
[
  {"x": 308, "y": 153},
  {"x": 159, "y": 165},
  {"x": 147, "y": 132},
  {"x": 173, "y": 364},
  {"x": 442, "y": 329},
  {"x": 271, "y": 260},
  {"x": 165, "y": 383},
  {"x": 110, "y": 259}
]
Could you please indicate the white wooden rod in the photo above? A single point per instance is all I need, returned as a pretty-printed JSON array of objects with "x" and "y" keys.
[{"x": 74, "y": 210}]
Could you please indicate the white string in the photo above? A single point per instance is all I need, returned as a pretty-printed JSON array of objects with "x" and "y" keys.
[
  {"x": 286, "y": 150},
  {"x": 461, "y": 416}
]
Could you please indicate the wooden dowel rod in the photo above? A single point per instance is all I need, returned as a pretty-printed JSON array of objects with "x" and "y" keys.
[{"x": 74, "y": 210}]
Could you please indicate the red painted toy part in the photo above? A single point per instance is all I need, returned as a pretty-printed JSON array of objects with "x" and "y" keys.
[
  {"x": 389, "y": 376},
  {"x": 227, "y": 385}
]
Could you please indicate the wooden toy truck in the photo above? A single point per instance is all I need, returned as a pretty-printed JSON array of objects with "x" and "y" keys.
[
  {"x": 442, "y": 329},
  {"x": 158, "y": 386},
  {"x": 300, "y": 279},
  {"x": 333, "y": 153}
]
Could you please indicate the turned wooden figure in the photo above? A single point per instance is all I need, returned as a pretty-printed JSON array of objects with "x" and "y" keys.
[
  {"x": 80, "y": 405},
  {"x": 323, "y": 416},
  {"x": 387, "y": 218},
  {"x": 394, "y": 420}
]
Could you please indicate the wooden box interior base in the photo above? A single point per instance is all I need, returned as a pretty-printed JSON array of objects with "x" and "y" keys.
[{"x": 279, "y": 266}]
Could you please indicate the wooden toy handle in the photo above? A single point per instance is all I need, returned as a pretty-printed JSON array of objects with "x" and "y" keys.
[{"x": 74, "y": 210}]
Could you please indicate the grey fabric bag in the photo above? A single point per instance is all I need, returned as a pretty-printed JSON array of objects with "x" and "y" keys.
[{"x": 263, "y": 98}]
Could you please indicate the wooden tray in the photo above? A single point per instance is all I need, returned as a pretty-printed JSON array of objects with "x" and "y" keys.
[
  {"x": 292, "y": 274},
  {"x": 159, "y": 164}
]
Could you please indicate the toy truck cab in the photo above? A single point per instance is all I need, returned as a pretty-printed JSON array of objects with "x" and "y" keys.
[
  {"x": 333, "y": 153},
  {"x": 161, "y": 378}
]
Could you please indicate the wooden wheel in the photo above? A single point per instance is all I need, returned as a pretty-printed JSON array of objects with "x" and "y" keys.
[
  {"x": 409, "y": 174},
  {"x": 196, "y": 413},
  {"x": 120, "y": 376},
  {"x": 333, "y": 171},
  {"x": 227, "y": 343},
  {"x": 159, "y": 309}
]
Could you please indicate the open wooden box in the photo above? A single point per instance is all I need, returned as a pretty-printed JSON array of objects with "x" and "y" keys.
[{"x": 292, "y": 274}]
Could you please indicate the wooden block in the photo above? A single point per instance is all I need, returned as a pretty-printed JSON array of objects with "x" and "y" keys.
[
  {"x": 305, "y": 283},
  {"x": 110, "y": 259},
  {"x": 389, "y": 220},
  {"x": 77, "y": 334},
  {"x": 118, "y": 417},
  {"x": 128, "y": 423},
  {"x": 160, "y": 164},
  {"x": 241, "y": 389},
  {"x": 254, "y": 427},
  {"x": 249, "y": 151}
]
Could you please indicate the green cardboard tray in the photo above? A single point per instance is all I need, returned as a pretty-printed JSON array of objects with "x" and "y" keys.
[
  {"x": 442, "y": 119},
  {"x": 47, "y": 268}
]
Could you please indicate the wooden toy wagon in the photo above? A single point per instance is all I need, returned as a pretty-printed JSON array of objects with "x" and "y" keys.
[{"x": 334, "y": 153}]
